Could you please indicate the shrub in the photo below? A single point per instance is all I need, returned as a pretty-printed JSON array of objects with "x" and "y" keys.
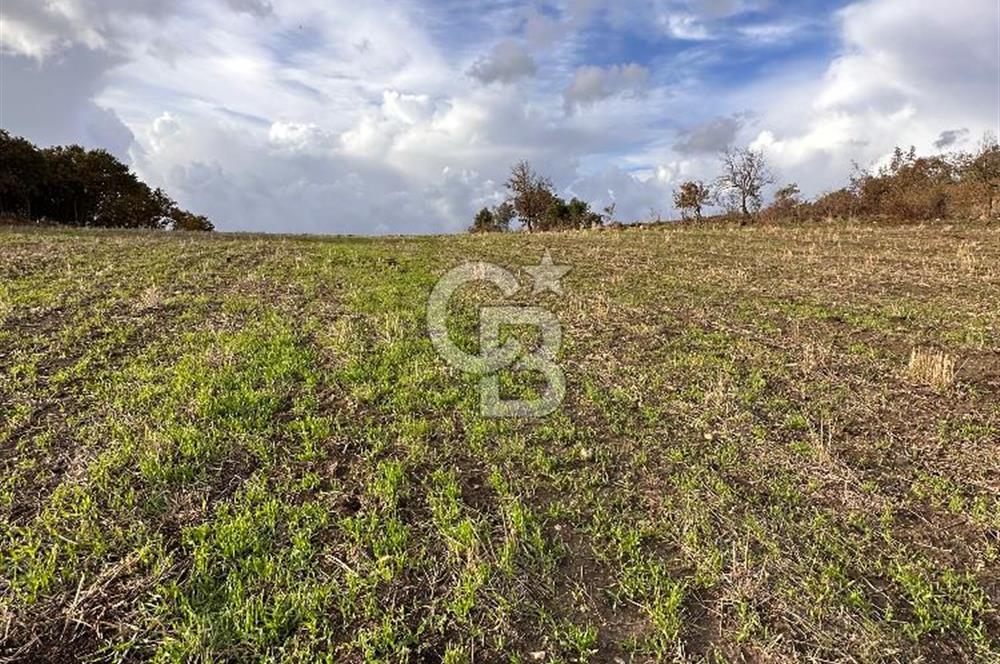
[{"x": 691, "y": 198}]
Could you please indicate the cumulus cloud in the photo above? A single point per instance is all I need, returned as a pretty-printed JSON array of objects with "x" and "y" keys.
[
  {"x": 38, "y": 30},
  {"x": 335, "y": 116},
  {"x": 886, "y": 88},
  {"x": 380, "y": 130},
  {"x": 887, "y": 56},
  {"x": 43, "y": 29},
  {"x": 299, "y": 137},
  {"x": 507, "y": 62},
  {"x": 593, "y": 84},
  {"x": 164, "y": 127},
  {"x": 53, "y": 102},
  {"x": 279, "y": 180}
]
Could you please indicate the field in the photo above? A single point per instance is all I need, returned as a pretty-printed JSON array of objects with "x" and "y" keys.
[{"x": 776, "y": 445}]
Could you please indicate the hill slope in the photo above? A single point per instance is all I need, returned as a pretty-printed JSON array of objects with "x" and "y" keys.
[{"x": 240, "y": 447}]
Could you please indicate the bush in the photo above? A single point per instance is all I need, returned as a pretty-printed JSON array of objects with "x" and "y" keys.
[
  {"x": 186, "y": 221},
  {"x": 691, "y": 198},
  {"x": 910, "y": 187},
  {"x": 839, "y": 204}
]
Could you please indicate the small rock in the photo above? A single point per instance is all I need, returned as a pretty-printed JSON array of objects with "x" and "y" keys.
[
  {"x": 709, "y": 436},
  {"x": 537, "y": 656}
]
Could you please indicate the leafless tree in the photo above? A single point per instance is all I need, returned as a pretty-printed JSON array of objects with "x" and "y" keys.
[{"x": 745, "y": 175}]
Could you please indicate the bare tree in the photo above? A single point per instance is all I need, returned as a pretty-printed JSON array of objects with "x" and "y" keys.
[
  {"x": 608, "y": 213},
  {"x": 691, "y": 198},
  {"x": 745, "y": 174},
  {"x": 531, "y": 194}
]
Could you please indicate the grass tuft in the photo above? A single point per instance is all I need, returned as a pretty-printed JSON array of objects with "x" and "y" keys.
[{"x": 932, "y": 368}]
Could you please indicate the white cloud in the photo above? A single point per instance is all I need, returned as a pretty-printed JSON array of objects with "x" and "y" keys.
[
  {"x": 301, "y": 138},
  {"x": 336, "y": 116},
  {"x": 908, "y": 72},
  {"x": 685, "y": 26},
  {"x": 38, "y": 29},
  {"x": 164, "y": 127},
  {"x": 771, "y": 33}
]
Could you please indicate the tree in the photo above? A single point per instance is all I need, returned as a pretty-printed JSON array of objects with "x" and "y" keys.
[
  {"x": 574, "y": 215},
  {"x": 557, "y": 216},
  {"x": 484, "y": 222},
  {"x": 93, "y": 188},
  {"x": 22, "y": 169},
  {"x": 495, "y": 220},
  {"x": 531, "y": 195},
  {"x": 608, "y": 213},
  {"x": 787, "y": 204},
  {"x": 74, "y": 186},
  {"x": 503, "y": 216},
  {"x": 691, "y": 198},
  {"x": 982, "y": 172},
  {"x": 581, "y": 216},
  {"x": 745, "y": 174}
]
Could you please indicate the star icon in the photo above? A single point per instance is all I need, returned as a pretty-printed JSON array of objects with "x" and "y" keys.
[{"x": 547, "y": 275}]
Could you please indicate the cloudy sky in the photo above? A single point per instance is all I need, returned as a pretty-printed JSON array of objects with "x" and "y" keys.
[{"x": 351, "y": 116}]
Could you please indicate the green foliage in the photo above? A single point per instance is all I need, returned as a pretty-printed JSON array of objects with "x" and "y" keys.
[
  {"x": 533, "y": 201},
  {"x": 574, "y": 215},
  {"x": 77, "y": 187},
  {"x": 493, "y": 220}
]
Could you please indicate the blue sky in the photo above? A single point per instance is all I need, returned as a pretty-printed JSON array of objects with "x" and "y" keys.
[{"x": 403, "y": 117}]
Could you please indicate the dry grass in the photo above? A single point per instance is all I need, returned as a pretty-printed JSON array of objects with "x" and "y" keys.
[
  {"x": 150, "y": 298},
  {"x": 932, "y": 368}
]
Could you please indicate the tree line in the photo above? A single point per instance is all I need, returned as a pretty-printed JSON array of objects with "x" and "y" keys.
[
  {"x": 73, "y": 186},
  {"x": 908, "y": 187}
]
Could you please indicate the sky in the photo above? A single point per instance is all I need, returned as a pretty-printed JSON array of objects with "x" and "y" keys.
[{"x": 377, "y": 117}]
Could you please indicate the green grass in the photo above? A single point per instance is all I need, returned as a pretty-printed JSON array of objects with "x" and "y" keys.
[{"x": 231, "y": 448}]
